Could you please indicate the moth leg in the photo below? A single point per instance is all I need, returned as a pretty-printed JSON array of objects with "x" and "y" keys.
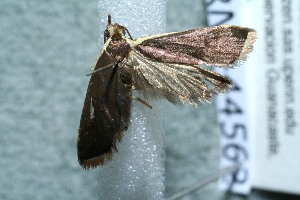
[
  {"x": 142, "y": 101},
  {"x": 100, "y": 69}
]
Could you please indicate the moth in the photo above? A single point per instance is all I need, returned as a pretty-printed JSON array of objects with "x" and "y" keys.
[{"x": 167, "y": 66}]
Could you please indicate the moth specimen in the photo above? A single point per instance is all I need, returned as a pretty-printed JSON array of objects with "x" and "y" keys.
[{"x": 164, "y": 66}]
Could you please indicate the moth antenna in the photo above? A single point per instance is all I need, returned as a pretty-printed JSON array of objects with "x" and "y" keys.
[
  {"x": 127, "y": 31},
  {"x": 109, "y": 19},
  {"x": 100, "y": 69},
  {"x": 142, "y": 101}
]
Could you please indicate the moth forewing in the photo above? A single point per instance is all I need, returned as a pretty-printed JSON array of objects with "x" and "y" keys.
[
  {"x": 106, "y": 111},
  {"x": 221, "y": 46}
]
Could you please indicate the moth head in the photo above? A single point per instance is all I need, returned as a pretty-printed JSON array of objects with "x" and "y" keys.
[{"x": 114, "y": 31}]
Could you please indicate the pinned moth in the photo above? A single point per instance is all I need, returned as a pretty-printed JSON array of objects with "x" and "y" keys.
[{"x": 164, "y": 66}]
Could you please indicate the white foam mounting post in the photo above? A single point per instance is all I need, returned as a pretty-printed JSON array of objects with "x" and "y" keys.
[{"x": 137, "y": 170}]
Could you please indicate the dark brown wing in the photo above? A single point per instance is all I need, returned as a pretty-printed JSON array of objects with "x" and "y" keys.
[
  {"x": 105, "y": 115},
  {"x": 221, "y": 46}
]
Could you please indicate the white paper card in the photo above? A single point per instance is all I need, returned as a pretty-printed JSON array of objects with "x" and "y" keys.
[{"x": 273, "y": 72}]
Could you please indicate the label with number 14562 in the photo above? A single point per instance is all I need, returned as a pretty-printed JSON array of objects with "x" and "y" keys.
[{"x": 232, "y": 112}]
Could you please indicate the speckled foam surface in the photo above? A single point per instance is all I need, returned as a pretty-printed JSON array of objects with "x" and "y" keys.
[{"x": 137, "y": 170}]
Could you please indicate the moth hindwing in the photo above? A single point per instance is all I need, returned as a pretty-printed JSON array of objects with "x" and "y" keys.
[{"x": 167, "y": 66}]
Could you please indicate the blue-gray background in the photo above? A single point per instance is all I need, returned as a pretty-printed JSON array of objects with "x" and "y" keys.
[{"x": 46, "y": 47}]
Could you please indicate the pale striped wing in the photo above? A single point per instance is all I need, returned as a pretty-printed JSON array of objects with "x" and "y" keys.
[{"x": 177, "y": 83}]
